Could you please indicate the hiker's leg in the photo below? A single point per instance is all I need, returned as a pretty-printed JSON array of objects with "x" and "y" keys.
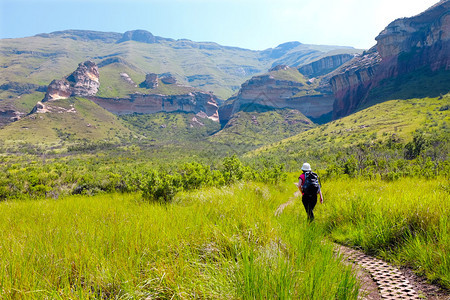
[
  {"x": 308, "y": 203},
  {"x": 312, "y": 204}
]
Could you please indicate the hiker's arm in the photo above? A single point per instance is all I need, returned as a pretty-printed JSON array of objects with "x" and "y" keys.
[
  {"x": 321, "y": 197},
  {"x": 300, "y": 183}
]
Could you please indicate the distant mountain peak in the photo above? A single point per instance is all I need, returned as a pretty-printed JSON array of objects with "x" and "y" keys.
[
  {"x": 139, "y": 35},
  {"x": 289, "y": 45}
]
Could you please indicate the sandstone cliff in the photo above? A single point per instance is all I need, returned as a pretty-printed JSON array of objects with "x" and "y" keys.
[
  {"x": 195, "y": 102},
  {"x": 150, "y": 82},
  {"x": 353, "y": 82},
  {"x": 324, "y": 65},
  {"x": 282, "y": 87},
  {"x": 403, "y": 47},
  {"x": 9, "y": 115},
  {"x": 83, "y": 82}
]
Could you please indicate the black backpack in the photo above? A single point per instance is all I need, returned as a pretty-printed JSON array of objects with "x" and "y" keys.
[{"x": 311, "y": 184}]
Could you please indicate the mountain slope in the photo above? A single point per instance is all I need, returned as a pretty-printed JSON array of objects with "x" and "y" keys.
[
  {"x": 395, "y": 119},
  {"x": 249, "y": 129},
  {"x": 281, "y": 87},
  {"x": 64, "y": 122}
]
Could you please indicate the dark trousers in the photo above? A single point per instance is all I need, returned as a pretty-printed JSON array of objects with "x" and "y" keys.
[{"x": 309, "y": 201}]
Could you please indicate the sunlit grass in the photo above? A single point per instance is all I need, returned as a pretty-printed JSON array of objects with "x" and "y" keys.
[
  {"x": 220, "y": 243},
  {"x": 214, "y": 243},
  {"x": 406, "y": 221}
]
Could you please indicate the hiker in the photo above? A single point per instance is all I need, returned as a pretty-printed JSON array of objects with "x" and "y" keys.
[{"x": 309, "y": 186}]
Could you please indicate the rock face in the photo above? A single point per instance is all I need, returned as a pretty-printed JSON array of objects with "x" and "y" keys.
[
  {"x": 83, "y": 82},
  {"x": 430, "y": 29},
  {"x": 195, "y": 102},
  {"x": 58, "y": 89},
  {"x": 404, "y": 46},
  {"x": 265, "y": 92},
  {"x": 150, "y": 82},
  {"x": 353, "y": 82},
  {"x": 325, "y": 65},
  {"x": 9, "y": 115},
  {"x": 127, "y": 79},
  {"x": 168, "y": 79}
]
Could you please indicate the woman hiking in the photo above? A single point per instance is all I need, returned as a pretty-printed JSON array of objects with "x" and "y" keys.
[{"x": 308, "y": 184}]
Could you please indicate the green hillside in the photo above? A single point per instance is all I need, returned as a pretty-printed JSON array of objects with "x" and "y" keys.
[
  {"x": 69, "y": 121},
  {"x": 396, "y": 121},
  {"x": 171, "y": 127},
  {"x": 290, "y": 74},
  {"x": 248, "y": 130}
]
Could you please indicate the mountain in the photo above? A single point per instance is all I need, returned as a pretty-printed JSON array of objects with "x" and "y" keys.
[
  {"x": 306, "y": 88},
  {"x": 411, "y": 59},
  {"x": 30, "y": 64},
  {"x": 85, "y": 82},
  {"x": 396, "y": 121},
  {"x": 281, "y": 87},
  {"x": 228, "y": 95}
]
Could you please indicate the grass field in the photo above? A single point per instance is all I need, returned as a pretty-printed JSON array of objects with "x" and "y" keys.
[
  {"x": 215, "y": 243},
  {"x": 220, "y": 243}
]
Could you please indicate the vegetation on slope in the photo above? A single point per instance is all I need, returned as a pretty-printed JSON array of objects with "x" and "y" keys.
[
  {"x": 222, "y": 240},
  {"x": 70, "y": 121},
  {"x": 248, "y": 130},
  {"x": 171, "y": 127},
  {"x": 417, "y": 84},
  {"x": 290, "y": 74},
  {"x": 397, "y": 129},
  {"x": 113, "y": 84}
]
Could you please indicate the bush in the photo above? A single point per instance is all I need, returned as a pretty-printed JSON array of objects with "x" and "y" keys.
[{"x": 161, "y": 187}]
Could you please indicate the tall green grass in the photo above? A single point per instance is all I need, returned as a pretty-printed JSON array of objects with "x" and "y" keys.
[
  {"x": 405, "y": 221},
  {"x": 214, "y": 243},
  {"x": 220, "y": 243}
]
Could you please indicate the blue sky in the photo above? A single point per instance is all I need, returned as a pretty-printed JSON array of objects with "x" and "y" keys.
[{"x": 253, "y": 24}]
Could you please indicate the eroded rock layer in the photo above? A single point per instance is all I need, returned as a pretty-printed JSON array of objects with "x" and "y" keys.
[
  {"x": 83, "y": 82},
  {"x": 147, "y": 104}
]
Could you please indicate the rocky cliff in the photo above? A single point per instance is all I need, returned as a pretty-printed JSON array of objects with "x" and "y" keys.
[
  {"x": 406, "y": 45},
  {"x": 83, "y": 82},
  {"x": 325, "y": 65},
  {"x": 150, "y": 82},
  {"x": 282, "y": 87},
  {"x": 353, "y": 82},
  {"x": 195, "y": 102},
  {"x": 9, "y": 115}
]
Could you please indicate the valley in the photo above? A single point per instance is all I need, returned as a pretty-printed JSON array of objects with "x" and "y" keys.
[{"x": 134, "y": 166}]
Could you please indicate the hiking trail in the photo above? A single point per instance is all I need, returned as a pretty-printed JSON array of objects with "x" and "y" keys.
[{"x": 379, "y": 279}]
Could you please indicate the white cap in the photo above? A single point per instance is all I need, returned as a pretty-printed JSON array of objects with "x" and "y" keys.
[{"x": 306, "y": 167}]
